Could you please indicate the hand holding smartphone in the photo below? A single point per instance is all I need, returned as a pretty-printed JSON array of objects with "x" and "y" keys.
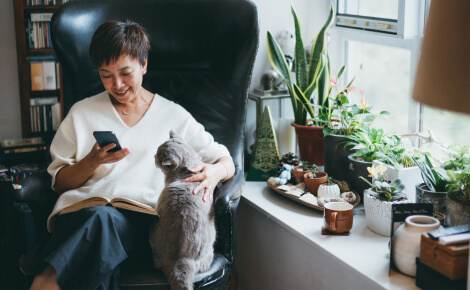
[{"x": 107, "y": 137}]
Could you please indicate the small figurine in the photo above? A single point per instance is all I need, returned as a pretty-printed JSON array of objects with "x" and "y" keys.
[{"x": 285, "y": 176}]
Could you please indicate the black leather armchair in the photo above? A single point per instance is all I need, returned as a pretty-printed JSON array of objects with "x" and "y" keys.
[{"x": 202, "y": 55}]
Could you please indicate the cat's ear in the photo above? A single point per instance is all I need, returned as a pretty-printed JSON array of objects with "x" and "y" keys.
[{"x": 173, "y": 134}]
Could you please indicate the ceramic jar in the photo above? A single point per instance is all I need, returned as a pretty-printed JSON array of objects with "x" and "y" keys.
[
  {"x": 379, "y": 213},
  {"x": 329, "y": 191},
  {"x": 406, "y": 241}
]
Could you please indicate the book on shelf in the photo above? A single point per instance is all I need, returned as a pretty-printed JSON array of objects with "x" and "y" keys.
[
  {"x": 45, "y": 114},
  {"x": 23, "y": 145},
  {"x": 38, "y": 31},
  {"x": 44, "y": 73},
  {"x": 44, "y": 2},
  {"x": 37, "y": 77},
  {"x": 118, "y": 202},
  {"x": 49, "y": 73}
]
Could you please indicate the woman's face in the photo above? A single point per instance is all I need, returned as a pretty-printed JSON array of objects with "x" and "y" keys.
[{"x": 123, "y": 78}]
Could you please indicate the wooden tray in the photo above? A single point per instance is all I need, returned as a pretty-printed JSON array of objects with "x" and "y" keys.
[{"x": 274, "y": 187}]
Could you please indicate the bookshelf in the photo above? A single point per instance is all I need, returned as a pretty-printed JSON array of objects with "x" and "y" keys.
[{"x": 41, "y": 95}]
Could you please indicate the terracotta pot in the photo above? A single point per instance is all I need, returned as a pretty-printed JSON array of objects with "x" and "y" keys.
[
  {"x": 406, "y": 241},
  {"x": 459, "y": 212},
  {"x": 313, "y": 183},
  {"x": 299, "y": 175},
  {"x": 310, "y": 140}
]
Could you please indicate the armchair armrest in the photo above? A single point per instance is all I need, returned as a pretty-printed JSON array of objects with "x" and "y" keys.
[
  {"x": 36, "y": 191},
  {"x": 229, "y": 191}
]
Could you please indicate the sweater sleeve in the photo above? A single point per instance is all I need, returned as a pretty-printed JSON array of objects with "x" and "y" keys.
[
  {"x": 63, "y": 148},
  {"x": 202, "y": 141}
]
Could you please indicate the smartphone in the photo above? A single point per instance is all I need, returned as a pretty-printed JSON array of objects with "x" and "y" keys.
[{"x": 106, "y": 137}]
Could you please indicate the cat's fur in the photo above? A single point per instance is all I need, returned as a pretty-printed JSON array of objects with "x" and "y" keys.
[{"x": 182, "y": 238}]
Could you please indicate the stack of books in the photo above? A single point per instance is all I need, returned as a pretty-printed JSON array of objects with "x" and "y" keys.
[{"x": 26, "y": 150}]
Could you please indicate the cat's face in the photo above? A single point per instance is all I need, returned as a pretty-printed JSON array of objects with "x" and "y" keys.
[{"x": 175, "y": 154}]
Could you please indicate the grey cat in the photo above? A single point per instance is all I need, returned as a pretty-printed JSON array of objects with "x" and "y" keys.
[{"x": 182, "y": 238}]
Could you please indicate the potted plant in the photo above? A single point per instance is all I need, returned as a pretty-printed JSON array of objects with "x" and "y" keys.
[
  {"x": 307, "y": 78},
  {"x": 434, "y": 187},
  {"x": 329, "y": 189},
  {"x": 314, "y": 179},
  {"x": 367, "y": 141},
  {"x": 342, "y": 119},
  {"x": 300, "y": 170},
  {"x": 458, "y": 197},
  {"x": 378, "y": 200}
]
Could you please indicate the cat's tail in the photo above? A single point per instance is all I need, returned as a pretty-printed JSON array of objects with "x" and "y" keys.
[{"x": 182, "y": 274}]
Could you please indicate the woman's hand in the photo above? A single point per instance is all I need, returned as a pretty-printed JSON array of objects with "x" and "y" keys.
[
  {"x": 100, "y": 155},
  {"x": 209, "y": 175}
]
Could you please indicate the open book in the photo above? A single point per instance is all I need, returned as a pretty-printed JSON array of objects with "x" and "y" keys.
[{"x": 118, "y": 202}]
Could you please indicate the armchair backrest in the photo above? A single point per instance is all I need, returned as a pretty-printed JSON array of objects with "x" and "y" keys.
[{"x": 202, "y": 55}]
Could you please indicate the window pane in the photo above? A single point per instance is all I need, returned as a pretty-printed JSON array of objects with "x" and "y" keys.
[
  {"x": 385, "y": 79},
  {"x": 447, "y": 126},
  {"x": 370, "y": 8}
]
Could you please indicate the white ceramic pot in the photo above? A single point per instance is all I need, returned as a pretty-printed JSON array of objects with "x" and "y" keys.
[
  {"x": 410, "y": 177},
  {"x": 406, "y": 241},
  {"x": 379, "y": 213},
  {"x": 329, "y": 191}
]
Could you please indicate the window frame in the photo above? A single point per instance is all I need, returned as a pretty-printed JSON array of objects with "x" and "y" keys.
[{"x": 408, "y": 36}]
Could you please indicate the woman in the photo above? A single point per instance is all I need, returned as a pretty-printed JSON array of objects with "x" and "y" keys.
[{"x": 87, "y": 246}]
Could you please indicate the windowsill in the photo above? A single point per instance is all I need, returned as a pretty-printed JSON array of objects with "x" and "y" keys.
[{"x": 271, "y": 225}]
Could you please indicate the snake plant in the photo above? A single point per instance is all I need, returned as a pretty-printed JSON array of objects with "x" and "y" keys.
[{"x": 308, "y": 78}]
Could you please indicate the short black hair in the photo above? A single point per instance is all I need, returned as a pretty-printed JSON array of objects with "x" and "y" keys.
[{"x": 115, "y": 38}]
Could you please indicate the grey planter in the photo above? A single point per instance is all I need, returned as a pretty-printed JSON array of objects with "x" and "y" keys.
[
  {"x": 438, "y": 199},
  {"x": 459, "y": 212},
  {"x": 336, "y": 157},
  {"x": 358, "y": 168}
]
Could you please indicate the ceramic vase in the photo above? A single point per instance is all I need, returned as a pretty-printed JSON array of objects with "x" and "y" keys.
[
  {"x": 406, "y": 241},
  {"x": 358, "y": 168},
  {"x": 336, "y": 157},
  {"x": 459, "y": 212},
  {"x": 379, "y": 213},
  {"x": 314, "y": 183},
  {"x": 410, "y": 176}
]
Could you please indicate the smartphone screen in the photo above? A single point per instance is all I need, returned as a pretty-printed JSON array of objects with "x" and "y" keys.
[{"x": 106, "y": 137}]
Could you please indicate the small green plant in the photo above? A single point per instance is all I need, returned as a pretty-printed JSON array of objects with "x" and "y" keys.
[
  {"x": 432, "y": 178},
  {"x": 307, "y": 167},
  {"x": 382, "y": 189},
  {"x": 458, "y": 170},
  {"x": 375, "y": 144}
]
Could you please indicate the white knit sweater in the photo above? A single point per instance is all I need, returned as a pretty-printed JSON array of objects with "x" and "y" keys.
[{"x": 135, "y": 176}]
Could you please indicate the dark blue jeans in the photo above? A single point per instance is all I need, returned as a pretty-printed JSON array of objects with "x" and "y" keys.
[{"x": 87, "y": 246}]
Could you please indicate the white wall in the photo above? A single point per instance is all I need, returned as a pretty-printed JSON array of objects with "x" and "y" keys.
[
  {"x": 10, "y": 119},
  {"x": 275, "y": 16}
]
